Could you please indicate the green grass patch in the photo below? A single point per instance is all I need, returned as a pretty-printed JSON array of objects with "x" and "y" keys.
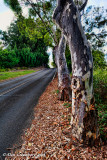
[
  {"x": 67, "y": 105},
  {"x": 100, "y": 93},
  {"x": 13, "y": 74},
  {"x": 57, "y": 91}
]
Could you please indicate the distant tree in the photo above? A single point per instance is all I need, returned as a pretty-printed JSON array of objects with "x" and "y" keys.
[
  {"x": 14, "y": 5},
  {"x": 95, "y": 21},
  {"x": 34, "y": 29},
  {"x": 98, "y": 59},
  {"x": 8, "y": 59},
  {"x": 27, "y": 49}
]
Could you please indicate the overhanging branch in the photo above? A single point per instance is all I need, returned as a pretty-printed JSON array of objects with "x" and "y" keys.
[
  {"x": 83, "y": 6},
  {"x": 47, "y": 27}
]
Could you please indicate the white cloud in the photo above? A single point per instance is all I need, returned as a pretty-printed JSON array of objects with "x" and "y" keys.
[
  {"x": 99, "y": 3},
  {"x": 5, "y": 19}
]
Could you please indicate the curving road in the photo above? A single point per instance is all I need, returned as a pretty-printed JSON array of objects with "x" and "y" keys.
[{"x": 17, "y": 100}]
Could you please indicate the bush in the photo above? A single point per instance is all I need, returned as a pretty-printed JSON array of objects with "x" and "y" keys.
[
  {"x": 8, "y": 59},
  {"x": 23, "y": 58},
  {"x": 100, "y": 93},
  {"x": 98, "y": 59}
]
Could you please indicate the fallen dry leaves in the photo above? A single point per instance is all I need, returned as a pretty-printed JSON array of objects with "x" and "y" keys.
[{"x": 49, "y": 137}]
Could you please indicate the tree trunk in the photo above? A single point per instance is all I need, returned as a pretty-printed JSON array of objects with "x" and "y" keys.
[
  {"x": 84, "y": 115},
  {"x": 64, "y": 80}
]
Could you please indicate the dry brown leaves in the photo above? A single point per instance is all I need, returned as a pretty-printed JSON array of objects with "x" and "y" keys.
[{"x": 49, "y": 136}]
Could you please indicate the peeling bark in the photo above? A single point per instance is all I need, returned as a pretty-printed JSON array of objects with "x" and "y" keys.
[
  {"x": 64, "y": 81},
  {"x": 84, "y": 115}
]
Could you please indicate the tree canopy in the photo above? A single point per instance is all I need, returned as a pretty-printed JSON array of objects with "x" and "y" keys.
[
  {"x": 28, "y": 51},
  {"x": 39, "y": 23}
]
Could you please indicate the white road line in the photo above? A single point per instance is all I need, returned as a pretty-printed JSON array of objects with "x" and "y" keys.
[{"x": 13, "y": 88}]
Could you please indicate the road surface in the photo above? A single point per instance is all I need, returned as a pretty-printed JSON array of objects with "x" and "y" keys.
[{"x": 17, "y": 100}]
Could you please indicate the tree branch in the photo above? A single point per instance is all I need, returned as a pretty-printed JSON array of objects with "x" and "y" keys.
[
  {"x": 93, "y": 34},
  {"x": 83, "y": 6},
  {"x": 47, "y": 27},
  {"x": 50, "y": 24}
]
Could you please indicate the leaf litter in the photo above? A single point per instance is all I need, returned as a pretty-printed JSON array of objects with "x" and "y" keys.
[{"x": 49, "y": 137}]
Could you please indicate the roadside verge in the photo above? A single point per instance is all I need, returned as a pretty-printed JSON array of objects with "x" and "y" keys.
[
  {"x": 14, "y": 74},
  {"x": 49, "y": 135}
]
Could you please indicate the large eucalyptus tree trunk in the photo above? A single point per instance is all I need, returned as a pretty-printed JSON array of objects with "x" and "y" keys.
[
  {"x": 84, "y": 116},
  {"x": 64, "y": 80}
]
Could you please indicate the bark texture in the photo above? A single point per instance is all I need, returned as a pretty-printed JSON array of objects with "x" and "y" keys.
[
  {"x": 84, "y": 115},
  {"x": 64, "y": 80}
]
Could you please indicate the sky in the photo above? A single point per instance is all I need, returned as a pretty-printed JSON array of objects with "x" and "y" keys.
[{"x": 6, "y": 16}]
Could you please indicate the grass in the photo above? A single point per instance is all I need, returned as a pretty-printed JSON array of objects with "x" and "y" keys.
[
  {"x": 13, "y": 74},
  {"x": 67, "y": 105},
  {"x": 100, "y": 93},
  {"x": 57, "y": 91}
]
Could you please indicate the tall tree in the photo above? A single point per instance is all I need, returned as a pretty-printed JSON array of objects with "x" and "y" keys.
[
  {"x": 31, "y": 51},
  {"x": 84, "y": 116},
  {"x": 64, "y": 79}
]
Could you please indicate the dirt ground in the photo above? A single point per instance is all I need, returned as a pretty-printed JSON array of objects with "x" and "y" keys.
[{"x": 49, "y": 137}]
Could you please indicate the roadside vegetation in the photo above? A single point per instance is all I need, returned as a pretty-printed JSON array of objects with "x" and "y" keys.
[
  {"x": 12, "y": 74},
  {"x": 19, "y": 50},
  {"x": 100, "y": 92}
]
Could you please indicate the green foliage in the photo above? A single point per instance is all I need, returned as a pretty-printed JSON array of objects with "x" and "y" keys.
[
  {"x": 68, "y": 58},
  {"x": 57, "y": 91},
  {"x": 8, "y": 59},
  {"x": 21, "y": 36},
  {"x": 47, "y": 6},
  {"x": 95, "y": 21},
  {"x": 31, "y": 29},
  {"x": 79, "y": 2},
  {"x": 29, "y": 51},
  {"x": 100, "y": 77},
  {"x": 53, "y": 64},
  {"x": 98, "y": 59},
  {"x": 67, "y": 105},
  {"x": 8, "y": 75},
  {"x": 22, "y": 57},
  {"x": 26, "y": 57},
  {"x": 14, "y": 5},
  {"x": 100, "y": 93},
  {"x": 26, "y": 27}
]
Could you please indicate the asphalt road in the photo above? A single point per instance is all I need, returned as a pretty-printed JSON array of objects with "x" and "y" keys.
[{"x": 17, "y": 100}]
